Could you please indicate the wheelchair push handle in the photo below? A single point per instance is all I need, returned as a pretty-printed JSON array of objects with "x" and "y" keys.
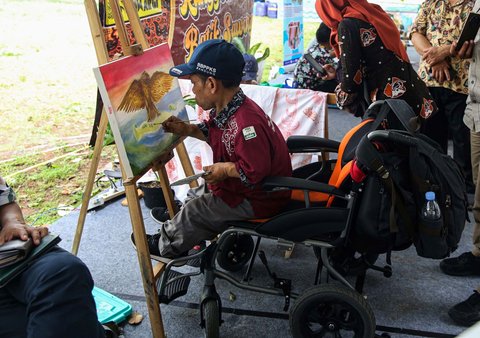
[{"x": 393, "y": 136}]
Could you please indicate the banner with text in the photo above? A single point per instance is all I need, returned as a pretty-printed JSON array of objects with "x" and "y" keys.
[
  {"x": 182, "y": 23},
  {"x": 200, "y": 20},
  {"x": 292, "y": 31}
]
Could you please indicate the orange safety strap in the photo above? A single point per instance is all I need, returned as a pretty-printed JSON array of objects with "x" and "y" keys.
[
  {"x": 341, "y": 178},
  {"x": 341, "y": 149},
  {"x": 315, "y": 197}
]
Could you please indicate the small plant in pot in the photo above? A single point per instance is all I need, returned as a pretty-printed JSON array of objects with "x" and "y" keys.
[{"x": 153, "y": 193}]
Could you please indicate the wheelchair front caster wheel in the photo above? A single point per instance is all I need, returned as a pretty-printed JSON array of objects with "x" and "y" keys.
[
  {"x": 331, "y": 311},
  {"x": 211, "y": 316},
  {"x": 235, "y": 251},
  {"x": 387, "y": 271}
]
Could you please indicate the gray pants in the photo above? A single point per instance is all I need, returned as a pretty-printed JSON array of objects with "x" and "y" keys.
[
  {"x": 202, "y": 218},
  {"x": 475, "y": 143}
]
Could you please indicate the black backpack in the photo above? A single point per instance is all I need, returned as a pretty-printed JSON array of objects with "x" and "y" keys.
[{"x": 401, "y": 166}]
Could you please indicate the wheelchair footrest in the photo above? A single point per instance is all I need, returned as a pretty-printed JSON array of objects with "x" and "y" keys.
[
  {"x": 177, "y": 286},
  {"x": 194, "y": 262}
]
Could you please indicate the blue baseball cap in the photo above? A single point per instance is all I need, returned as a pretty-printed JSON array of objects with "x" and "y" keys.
[
  {"x": 216, "y": 58},
  {"x": 251, "y": 68}
]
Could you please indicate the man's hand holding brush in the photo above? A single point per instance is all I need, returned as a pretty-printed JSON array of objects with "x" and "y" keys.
[{"x": 177, "y": 126}]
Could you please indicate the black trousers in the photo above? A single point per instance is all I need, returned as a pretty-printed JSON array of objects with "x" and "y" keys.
[
  {"x": 448, "y": 121},
  {"x": 52, "y": 298}
]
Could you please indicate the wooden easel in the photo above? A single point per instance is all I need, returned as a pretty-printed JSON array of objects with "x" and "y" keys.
[{"x": 149, "y": 274}]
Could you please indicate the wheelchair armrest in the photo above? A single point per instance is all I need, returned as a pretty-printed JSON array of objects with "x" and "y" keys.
[
  {"x": 311, "y": 144},
  {"x": 272, "y": 183}
]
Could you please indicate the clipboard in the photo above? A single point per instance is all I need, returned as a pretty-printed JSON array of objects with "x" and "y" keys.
[
  {"x": 189, "y": 179},
  {"x": 469, "y": 30}
]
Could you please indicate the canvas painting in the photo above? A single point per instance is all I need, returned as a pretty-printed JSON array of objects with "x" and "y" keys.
[{"x": 139, "y": 94}]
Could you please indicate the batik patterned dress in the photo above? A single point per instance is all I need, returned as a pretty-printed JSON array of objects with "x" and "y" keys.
[
  {"x": 365, "y": 59},
  {"x": 441, "y": 23},
  {"x": 307, "y": 77}
]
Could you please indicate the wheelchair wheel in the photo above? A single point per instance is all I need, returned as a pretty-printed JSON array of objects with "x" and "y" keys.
[
  {"x": 235, "y": 252},
  {"x": 211, "y": 315},
  {"x": 331, "y": 311}
]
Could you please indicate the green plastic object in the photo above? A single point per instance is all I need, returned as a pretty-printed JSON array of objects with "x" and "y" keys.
[
  {"x": 267, "y": 84},
  {"x": 109, "y": 307}
]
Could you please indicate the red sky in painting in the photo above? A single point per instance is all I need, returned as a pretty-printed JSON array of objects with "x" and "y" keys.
[{"x": 118, "y": 75}]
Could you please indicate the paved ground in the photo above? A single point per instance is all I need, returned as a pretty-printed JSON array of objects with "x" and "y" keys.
[{"x": 413, "y": 302}]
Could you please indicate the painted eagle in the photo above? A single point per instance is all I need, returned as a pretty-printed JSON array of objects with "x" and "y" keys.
[{"x": 145, "y": 92}]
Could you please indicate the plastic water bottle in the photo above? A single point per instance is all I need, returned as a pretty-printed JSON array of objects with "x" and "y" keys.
[{"x": 431, "y": 210}]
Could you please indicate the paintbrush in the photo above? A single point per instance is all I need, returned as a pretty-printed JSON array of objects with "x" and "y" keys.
[{"x": 193, "y": 120}]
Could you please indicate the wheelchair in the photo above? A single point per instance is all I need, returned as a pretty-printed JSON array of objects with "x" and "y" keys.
[
  {"x": 324, "y": 307},
  {"x": 320, "y": 216}
]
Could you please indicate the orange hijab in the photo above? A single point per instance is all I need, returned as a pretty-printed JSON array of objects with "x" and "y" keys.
[{"x": 332, "y": 12}]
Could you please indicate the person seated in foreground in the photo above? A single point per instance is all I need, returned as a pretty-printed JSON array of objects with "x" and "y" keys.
[
  {"x": 53, "y": 297},
  {"x": 247, "y": 147},
  {"x": 322, "y": 51}
]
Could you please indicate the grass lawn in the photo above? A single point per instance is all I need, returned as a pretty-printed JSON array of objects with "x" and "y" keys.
[
  {"x": 270, "y": 33},
  {"x": 47, "y": 100}
]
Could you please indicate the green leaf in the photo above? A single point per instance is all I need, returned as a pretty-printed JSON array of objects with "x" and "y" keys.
[
  {"x": 108, "y": 139},
  {"x": 254, "y": 48},
  {"x": 266, "y": 54},
  {"x": 190, "y": 101},
  {"x": 237, "y": 42}
]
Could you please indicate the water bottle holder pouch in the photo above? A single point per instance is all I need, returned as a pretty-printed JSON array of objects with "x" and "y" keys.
[{"x": 432, "y": 239}]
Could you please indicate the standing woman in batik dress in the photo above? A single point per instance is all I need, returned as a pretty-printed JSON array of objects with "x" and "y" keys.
[{"x": 368, "y": 45}]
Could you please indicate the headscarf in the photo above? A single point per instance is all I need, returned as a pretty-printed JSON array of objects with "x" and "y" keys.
[{"x": 332, "y": 12}]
